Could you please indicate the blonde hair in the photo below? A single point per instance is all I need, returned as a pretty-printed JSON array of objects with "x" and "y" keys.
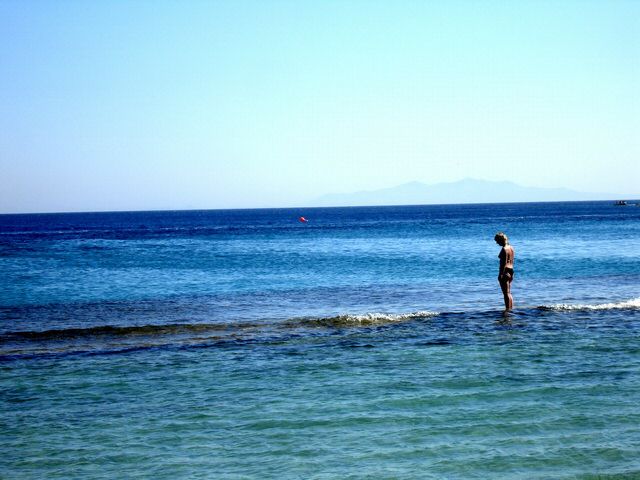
[{"x": 501, "y": 236}]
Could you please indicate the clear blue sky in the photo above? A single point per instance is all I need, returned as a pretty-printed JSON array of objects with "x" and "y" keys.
[{"x": 119, "y": 105}]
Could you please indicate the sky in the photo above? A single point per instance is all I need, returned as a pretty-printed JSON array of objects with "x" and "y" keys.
[{"x": 145, "y": 105}]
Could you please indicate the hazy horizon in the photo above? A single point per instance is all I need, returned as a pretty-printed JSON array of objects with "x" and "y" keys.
[
  {"x": 317, "y": 202},
  {"x": 246, "y": 104}
]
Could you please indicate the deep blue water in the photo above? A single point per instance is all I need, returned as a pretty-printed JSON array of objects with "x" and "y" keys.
[{"x": 367, "y": 343}]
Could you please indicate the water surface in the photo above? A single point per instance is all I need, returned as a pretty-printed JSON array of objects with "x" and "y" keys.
[{"x": 367, "y": 343}]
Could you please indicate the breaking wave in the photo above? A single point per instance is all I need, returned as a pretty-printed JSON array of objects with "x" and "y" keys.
[
  {"x": 362, "y": 320},
  {"x": 113, "y": 331},
  {"x": 565, "y": 307},
  {"x": 114, "y": 338}
]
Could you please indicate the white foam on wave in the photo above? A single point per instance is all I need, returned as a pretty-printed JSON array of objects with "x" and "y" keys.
[
  {"x": 355, "y": 320},
  {"x": 624, "y": 305},
  {"x": 373, "y": 318}
]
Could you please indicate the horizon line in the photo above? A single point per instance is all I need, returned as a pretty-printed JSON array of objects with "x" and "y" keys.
[{"x": 634, "y": 202}]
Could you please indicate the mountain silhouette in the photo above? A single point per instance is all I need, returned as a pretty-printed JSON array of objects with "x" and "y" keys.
[{"x": 468, "y": 190}]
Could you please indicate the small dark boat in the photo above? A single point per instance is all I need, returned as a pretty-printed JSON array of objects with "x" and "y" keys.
[{"x": 621, "y": 203}]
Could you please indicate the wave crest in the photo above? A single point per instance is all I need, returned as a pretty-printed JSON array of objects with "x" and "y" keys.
[
  {"x": 112, "y": 331},
  {"x": 364, "y": 319},
  {"x": 565, "y": 307}
]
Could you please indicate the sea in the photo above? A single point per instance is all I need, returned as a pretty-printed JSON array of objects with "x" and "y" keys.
[{"x": 364, "y": 343}]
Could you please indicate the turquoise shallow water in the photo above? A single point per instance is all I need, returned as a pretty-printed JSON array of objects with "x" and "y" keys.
[
  {"x": 265, "y": 369},
  {"x": 546, "y": 395}
]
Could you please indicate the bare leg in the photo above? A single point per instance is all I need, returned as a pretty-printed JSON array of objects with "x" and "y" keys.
[{"x": 505, "y": 285}]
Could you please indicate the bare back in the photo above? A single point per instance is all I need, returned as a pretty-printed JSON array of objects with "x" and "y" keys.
[{"x": 507, "y": 255}]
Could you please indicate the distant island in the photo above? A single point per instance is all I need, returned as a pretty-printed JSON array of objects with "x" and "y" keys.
[{"x": 463, "y": 191}]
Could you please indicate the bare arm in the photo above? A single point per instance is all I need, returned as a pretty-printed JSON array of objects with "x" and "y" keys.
[{"x": 503, "y": 262}]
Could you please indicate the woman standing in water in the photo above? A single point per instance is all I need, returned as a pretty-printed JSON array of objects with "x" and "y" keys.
[{"x": 505, "y": 275}]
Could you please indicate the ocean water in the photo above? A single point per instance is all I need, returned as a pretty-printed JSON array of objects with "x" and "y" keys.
[{"x": 369, "y": 342}]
